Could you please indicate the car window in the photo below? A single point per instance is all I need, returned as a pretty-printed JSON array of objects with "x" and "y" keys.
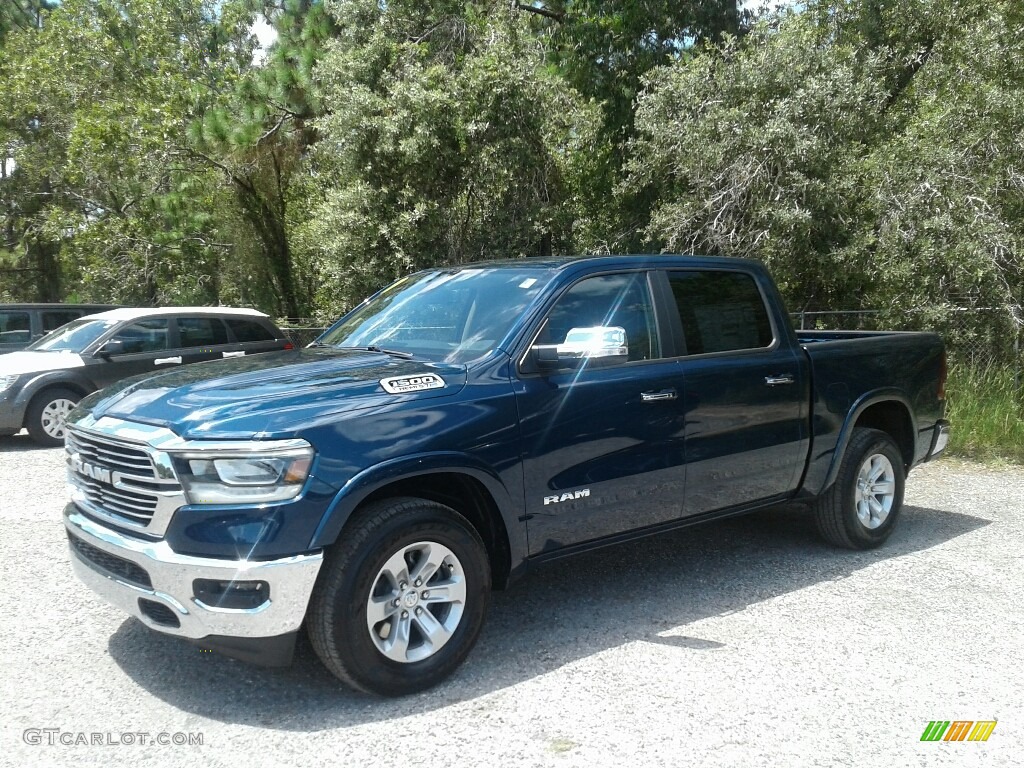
[
  {"x": 201, "y": 331},
  {"x": 15, "y": 327},
  {"x": 53, "y": 319},
  {"x": 249, "y": 330},
  {"x": 75, "y": 336},
  {"x": 143, "y": 336},
  {"x": 720, "y": 311},
  {"x": 594, "y": 309}
]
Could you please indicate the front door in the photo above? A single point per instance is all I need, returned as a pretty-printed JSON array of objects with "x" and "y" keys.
[
  {"x": 144, "y": 349},
  {"x": 602, "y": 436}
]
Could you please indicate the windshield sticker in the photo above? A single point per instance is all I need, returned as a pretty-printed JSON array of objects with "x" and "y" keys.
[
  {"x": 528, "y": 282},
  {"x": 398, "y": 385}
]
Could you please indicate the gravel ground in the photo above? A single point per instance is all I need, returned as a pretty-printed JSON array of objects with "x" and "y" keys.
[{"x": 745, "y": 642}]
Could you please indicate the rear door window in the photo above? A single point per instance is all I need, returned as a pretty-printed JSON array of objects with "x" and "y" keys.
[
  {"x": 15, "y": 327},
  {"x": 720, "y": 311},
  {"x": 54, "y": 319},
  {"x": 201, "y": 332}
]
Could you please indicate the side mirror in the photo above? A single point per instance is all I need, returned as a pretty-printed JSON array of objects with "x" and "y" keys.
[
  {"x": 600, "y": 341},
  {"x": 110, "y": 348}
]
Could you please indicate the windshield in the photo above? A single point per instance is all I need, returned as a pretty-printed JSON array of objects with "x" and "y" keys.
[
  {"x": 451, "y": 316},
  {"x": 75, "y": 336}
]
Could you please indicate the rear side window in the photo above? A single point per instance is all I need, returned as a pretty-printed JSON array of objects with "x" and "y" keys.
[
  {"x": 15, "y": 327},
  {"x": 56, "y": 318},
  {"x": 143, "y": 336},
  {"x": 720, "y": 311},
  {"x": 249, "y": 330},
  {"x": 201, "y": 331}
]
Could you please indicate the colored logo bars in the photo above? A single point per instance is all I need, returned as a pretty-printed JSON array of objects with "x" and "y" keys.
[{"x": 958, "y": 730}]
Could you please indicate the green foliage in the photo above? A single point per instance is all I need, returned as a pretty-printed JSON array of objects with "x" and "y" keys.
[
  {"x": 986, "y": 408},
  {"x": 868, "y": 152},
  {"x": 99, "y": 100},
  {"x": 448, "y": 140}
]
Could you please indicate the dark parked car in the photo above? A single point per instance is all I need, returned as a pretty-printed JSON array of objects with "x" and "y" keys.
[
  {"x": 40, "y": 385},
  {"x": 21, "y": 324}
]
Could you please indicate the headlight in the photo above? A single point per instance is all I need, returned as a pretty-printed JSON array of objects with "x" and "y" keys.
[
  {"x": 7, "y": 381},
  {"x": 240, "y": 477}
]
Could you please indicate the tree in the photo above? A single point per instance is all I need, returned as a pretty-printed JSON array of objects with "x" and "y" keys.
[
  {"x": 867, "y": 151},
  {"x": 102, "y": 96},
  {"x": 259, "y": 142},
  {"x": 447, "y": 138}
]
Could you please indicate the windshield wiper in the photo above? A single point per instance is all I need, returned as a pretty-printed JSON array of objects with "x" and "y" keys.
[{"x": 392, "y": 352}]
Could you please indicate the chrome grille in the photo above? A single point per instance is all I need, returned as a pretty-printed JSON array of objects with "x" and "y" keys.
[{"x": 117, "y": 478}]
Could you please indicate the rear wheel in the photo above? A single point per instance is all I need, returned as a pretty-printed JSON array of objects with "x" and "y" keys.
[
  {"x": 861, "y": 509},
  {"x": 47, "y": 413},
  {"x": 401, "y": 598}
]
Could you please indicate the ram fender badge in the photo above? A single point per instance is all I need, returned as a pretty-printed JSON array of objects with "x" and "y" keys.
[
  {"x": 570, "y": 496},
  {"x": 398, "y": 385}
]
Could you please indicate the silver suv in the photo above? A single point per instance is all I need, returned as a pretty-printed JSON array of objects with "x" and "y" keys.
[{"x": 41, "y": 384}]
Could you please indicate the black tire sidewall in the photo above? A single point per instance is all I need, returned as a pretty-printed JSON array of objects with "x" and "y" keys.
[
  {"x": 867, "y": 538},
  {"x": 363, "y": 661}
]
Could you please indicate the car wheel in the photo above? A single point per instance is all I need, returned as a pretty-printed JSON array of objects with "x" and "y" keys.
[
  {"x": 401, "y": 597},
  {"x": 861, "y": 509},
  {"x": 47, "y": 413}
]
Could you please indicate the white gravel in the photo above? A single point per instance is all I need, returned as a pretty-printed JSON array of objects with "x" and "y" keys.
[{"x": 743, "y": 643}]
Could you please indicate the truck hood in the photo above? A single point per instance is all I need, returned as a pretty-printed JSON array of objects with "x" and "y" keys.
[
  {"x": 38, "y": 362},
  {"x": 277, "y": 394}
]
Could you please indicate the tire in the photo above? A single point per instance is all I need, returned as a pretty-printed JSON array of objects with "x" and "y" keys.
[
  {"x": 861, "y": 508},
  {"x": 45, "y": 415},
  {"x": 411, "y": 646}
]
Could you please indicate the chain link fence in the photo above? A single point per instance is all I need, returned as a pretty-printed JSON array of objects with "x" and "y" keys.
[{"x": 301, "y": 335}]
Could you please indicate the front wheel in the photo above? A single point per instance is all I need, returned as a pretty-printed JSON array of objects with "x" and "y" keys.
[
  {"x": 47, "y": 413},
  {"x": 861, "y": 509},
  {"x": 401, "y": 598}
]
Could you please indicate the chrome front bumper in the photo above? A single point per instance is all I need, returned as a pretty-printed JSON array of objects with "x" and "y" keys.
[{"x": 119, "y": 571}]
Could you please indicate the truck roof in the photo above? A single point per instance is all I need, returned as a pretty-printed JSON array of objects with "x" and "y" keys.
[{"x": 631, "y": 259}]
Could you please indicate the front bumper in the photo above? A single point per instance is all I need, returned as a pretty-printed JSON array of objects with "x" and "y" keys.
[{"x": 151, "y": 582}]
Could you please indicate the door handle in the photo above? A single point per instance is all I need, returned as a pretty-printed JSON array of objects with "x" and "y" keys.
[
  {"x": 168, "y": 360},
  {"x": 774, "y": 381},
  {"x": 654, "y": 397},
  {"x": 235, "y": 354}
]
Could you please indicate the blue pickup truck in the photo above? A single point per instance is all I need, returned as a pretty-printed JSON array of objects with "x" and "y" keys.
[{"x": 465, "y": 423}]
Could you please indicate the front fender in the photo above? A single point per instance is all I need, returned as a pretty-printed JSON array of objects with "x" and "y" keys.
[
  {"x": 71, "y": 379},
  {"x": 366, "y": 482}
]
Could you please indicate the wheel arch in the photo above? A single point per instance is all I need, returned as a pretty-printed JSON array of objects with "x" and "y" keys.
[
  {"x": 886, "y": 411},
  {"x": 53, "y": 380},
  {"x": 474, "y": 492}
]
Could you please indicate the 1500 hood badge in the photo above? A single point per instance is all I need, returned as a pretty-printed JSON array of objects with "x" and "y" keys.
[{"x": 398, "y": 385}]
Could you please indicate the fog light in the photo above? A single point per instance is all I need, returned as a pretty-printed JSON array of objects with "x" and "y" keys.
[{"x": 238, "y": 595}]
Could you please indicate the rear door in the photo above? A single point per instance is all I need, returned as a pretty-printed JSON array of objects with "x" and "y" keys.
[
  {"x": 746, "y": 391},
  {"x": 602, "y": 439},
  {"x": 202, "y": 337}
]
